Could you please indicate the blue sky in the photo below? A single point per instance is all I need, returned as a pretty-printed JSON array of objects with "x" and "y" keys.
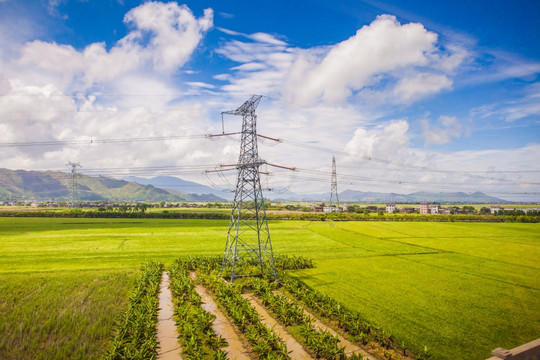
[{"x": 448, "y": 87}]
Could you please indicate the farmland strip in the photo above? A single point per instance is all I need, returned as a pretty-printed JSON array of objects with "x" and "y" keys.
[
  {"x": 136, "y": 337},
  {"x": 167, "y": 336},
  {"x": 197, "y": 338},
  {"x": 350, "y": 348},
  {"x": 323, "y": 344},
  {"x": 350, "y": 322},
  {"x": 297, "y": 351},
  {"x": 265, "y": 343},
  {"x": 222, "y": 326}
]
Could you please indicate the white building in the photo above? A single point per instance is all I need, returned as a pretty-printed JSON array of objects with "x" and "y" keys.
[
  {"x": 390, "y": 208},
  {"x": 434, "y": 209}
]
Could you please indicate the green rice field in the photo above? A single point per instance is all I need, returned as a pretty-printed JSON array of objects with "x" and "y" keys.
[{"x": 457, "y": 289}]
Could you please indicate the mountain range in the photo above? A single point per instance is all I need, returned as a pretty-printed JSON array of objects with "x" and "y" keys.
[
  {"x": 177, "y": 184},
  {"x": 347, "y": 195},
  {"x": 51, "y": 185}
]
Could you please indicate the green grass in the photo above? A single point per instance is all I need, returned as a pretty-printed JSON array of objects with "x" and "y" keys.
[
  {"x": 59, "y": 315},
  {"x": 461, "y": 289}
]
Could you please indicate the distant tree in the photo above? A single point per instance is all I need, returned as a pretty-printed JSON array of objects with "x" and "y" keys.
[{"x": 467, "y": 209}]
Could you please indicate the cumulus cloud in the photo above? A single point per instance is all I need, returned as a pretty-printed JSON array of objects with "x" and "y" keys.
[
  {"x": 382, "y": 46},
  {"x": 140, "y": 87},
  {"x": 38, "y": 84},
  {"x": 163, "y": 38},
  {"x": 417, "y": 86},
  {"x": 384, "y": 141},
  {"x": 405, "y": 56},
  {"x": 448, "y": 127}
]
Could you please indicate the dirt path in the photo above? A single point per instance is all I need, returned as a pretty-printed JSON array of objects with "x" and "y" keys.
[
  {"x": 223, "y": 327},
  {"x": 297, "y": 351},
  {"x": 167, "y": 335}
]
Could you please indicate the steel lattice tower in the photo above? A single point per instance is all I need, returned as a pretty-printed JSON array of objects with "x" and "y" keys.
[
  {"x": 248, "y": 251},
  {"x": 334, "y": 200},
  {"x": 73, "y": 184}
]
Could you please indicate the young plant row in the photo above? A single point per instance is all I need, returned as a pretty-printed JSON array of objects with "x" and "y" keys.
[
  {"x": 322, "y": 343},
  {"x": 136, "y": 329},
  {"x": 349, "y": 321},
  {"x": 266, "y": 344},
  {"x": 197, "y": 338},
  {"x": 213, "y": 263}
]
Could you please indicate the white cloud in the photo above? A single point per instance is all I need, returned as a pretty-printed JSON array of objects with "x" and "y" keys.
[
  {"x": 417, "y": 86},
  {"x": 493, "y": 66},
  {"x": 134, "y": 75},
  {"x": 384, "y": 141},
  {"x": 383, "y": 46},
  {"x": 199, "y": 84},
  {"x": 512, "y": 110},
  {"x": 449, "y": 127},
  {"x": 137, "y": 91},
  {"x": 175, "y": 32},
  {"x": 405, "y": 58},
  {"x": 258, "y": 37},
  {"x": 163, "y": 38}
]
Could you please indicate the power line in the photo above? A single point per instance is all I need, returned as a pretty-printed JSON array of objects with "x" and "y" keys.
[
  {"x": 101, "y": 141},
  {"x": 402, "y": 166}
]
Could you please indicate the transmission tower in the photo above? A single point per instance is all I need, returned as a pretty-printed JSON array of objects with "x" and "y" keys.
[
  {"x": 73, "y": 184},
  {"x": 334, "y": 201},
  {"x": 248, "y": 251}
]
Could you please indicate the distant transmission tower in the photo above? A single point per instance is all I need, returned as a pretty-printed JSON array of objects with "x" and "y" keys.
[
  {"x": 334, "y": 201},
  {"x": 248, "y": 251},
  {"x": 73, "y": 184}
]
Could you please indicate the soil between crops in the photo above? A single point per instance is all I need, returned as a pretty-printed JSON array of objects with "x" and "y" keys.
[
  {"x": 167, "y": 335},
  {"x": 296, "y": 350},
  {"x": 223, "y": 327}
]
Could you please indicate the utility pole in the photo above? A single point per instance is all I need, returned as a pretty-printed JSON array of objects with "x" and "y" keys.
[
  {"x": 248, "y": 250},
  {"x": 73, "y": 184},
  {"x": 334, "y": 201}
]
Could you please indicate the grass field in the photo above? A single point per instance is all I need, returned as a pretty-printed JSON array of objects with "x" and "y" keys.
[{"x": 461, "y": 289}]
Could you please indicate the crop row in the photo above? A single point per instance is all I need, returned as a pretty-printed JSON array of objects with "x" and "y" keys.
[
  {"x": 266, "y": 344},
  {"x": 136, "y": 334},
  {"x": 322, "y": 343},
  {"x": 211, "y": 263},
  {"x": 136, "y": 328},
  {"x": 194, "y": 324},
  {"x": 349, "y": 321}
]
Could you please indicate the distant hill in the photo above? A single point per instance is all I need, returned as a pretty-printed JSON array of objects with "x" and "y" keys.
[
  {"x": 194, "y": 189},
  {"x": 422, "y": 196},
  {"x": 416, "y": 197},
  {"x": 51, "y": 185}
]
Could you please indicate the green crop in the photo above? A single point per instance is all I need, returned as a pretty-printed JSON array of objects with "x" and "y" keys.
[
  {"x": 264, "y": 342},
  {"x": 458, "y": 289},
  {"x": 197, "y": 338},
  {"x": 136, "y": 330}
]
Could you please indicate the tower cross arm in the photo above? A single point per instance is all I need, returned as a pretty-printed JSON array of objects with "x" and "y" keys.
[{"x": 246, "y": 108}]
